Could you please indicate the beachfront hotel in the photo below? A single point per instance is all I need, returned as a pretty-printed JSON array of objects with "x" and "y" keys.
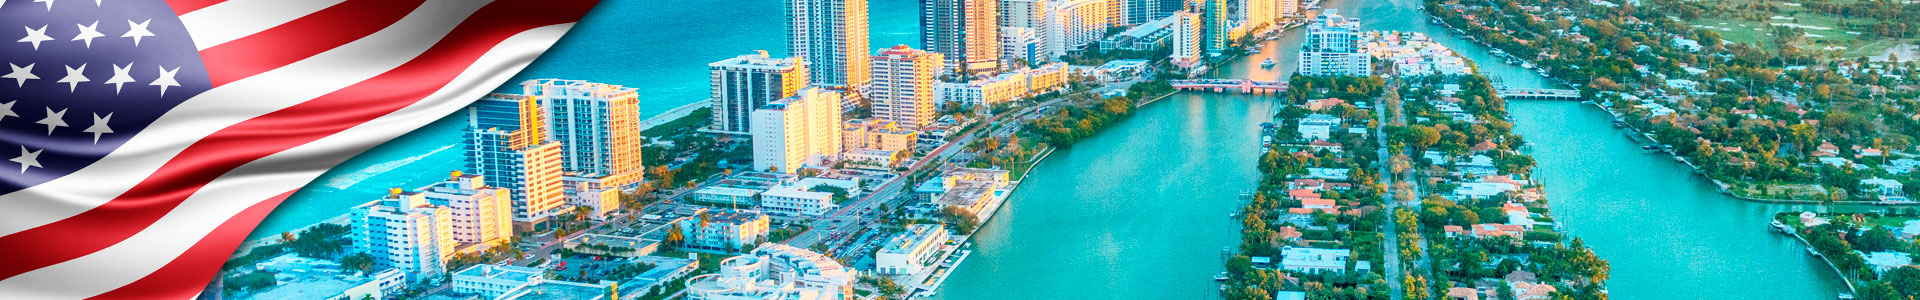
[
  {"x": 507, "y": 145},
  {"x": 910, "y": 251},
  {"x": 903, "y": 81},
  {"x": 1333, "y": 47},
  {"x": 403, "y": 231},
  {"x": 597, "y": 124},
  {"x": 831, "y": 37},
  {"x": 967, "y": 32},
  {"x": 1074, "y": 24},
  {"x": 747, "y": 82},
  {"x": 798, "y": 131},
  {"x": 482, "y": 214}
]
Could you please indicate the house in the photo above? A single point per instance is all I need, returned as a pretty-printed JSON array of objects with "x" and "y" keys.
[
  {"x": 1482, "y": 190},
  {"x": 1315, "y": 260},
  {"x": 1883, "y": 261},
  {"x": 1463, "y": 293},
  {"x": 1532, "y": 291},
  {"x": 1887, "y": 189},
  {"x": 1318, "y": 126},
  {"x": 1324, "y": 145},
  {"x": 1488, "y": 230},
  {"x": 1316, "y": 185},
  {"x": 1323, "y": 104},
  {"x": 1826, "y": 149},
  {"x": 1328, "y": 173}
]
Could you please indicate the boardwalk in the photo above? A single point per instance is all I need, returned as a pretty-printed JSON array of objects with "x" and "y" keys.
[{"x": 1244, "y": 86}]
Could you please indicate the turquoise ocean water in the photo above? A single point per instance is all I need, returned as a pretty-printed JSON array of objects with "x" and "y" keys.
[{"x": 661, "y": 47}]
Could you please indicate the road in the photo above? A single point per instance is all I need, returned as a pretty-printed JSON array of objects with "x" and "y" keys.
[{"x": 1392, "y": 245}]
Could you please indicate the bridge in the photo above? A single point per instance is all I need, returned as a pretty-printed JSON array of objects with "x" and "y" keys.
[
  {"x": 1244, "y": 86},
  {"x": 1538, "y": 94}
]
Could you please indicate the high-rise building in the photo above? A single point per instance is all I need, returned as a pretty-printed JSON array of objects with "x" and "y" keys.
[
  {"x": 967, "y": 32},
  {"x": 1219, "y": 32},
  {"x": 1136, "y": 12},
  {"x": 742, "y": 84},
  {"x": 599, "y": 126},
  {"x": 802, "y": 130},
  {"x": 1286, "y": 8},
  {"x": 404, "y": 232},
  {"x": 508, "y": 145},
  {"x": 1020, "y": 46},
  {"x": 1073, "y": 24},
  {"x": 903, "y": 81},
  {"x": 482, "y": 214},
  {"x": 1333, "y": 47},
  {"x": 831, "y": 36},
  {"x": 1256, "y": 13},
  {"x": 1189, "y": 33}
]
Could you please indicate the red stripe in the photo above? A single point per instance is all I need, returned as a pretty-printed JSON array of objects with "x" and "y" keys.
[
  {"x": 234, "y": 146},
  {"x": 182, "y": 7},
  {"x": 184, "y": 277},
  {"x": 302, "y": 38}
]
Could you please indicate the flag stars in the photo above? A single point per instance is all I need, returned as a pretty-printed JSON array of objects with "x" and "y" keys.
[
  {"x": 54, "y": 119},
  {"x": 48, "y": 2},
  {"x": 87, "y": 33},
  {"x": 28, "y": 159},
  {"x": 137, "y": 31},
  {"x": 20, "y": 75},
  {"x": 166, "y": 79},
  {"x": 36, "y": 36},
  {"x": 120, "y": 77},
  {"x": 74, "y": 77},
  {"x": 6, "y": 109},
  {"x": 99, "y": 127}
]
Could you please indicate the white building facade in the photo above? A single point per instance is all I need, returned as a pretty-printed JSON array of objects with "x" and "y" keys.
[{"x": 798, "y": 131}]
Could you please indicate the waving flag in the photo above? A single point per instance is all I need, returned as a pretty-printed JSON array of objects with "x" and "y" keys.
[{"x": 143, "y": 140}]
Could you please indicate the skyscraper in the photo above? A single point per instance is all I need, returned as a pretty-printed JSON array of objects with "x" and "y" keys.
[
  {"x": 965, "y": 31},
  {"x": 1073, "y": 24},
  {"x": 742, "y": 84},
  {"x": 508, "y": 145},
  {"x": 403, "y": 231},
  {"x": 831, "y": 36},
  {"x": 1136, "y": 12},
  {"x": 1218, "y": 30},
  {"x": 1255, "y": 13},
  {"x": 1188, "y": 35},
  {"x": 1333, "y": 47},
  {"x": 797, "y": 131},
  {"x": 903, "y": 85},
  {"x": 598, "y": 125}
]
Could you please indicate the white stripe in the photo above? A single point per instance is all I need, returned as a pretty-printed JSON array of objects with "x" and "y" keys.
[
  {"x": 234, "y": 19},
  {"x": 228, "y": 105},
  {"x": 235, "y": 191}
]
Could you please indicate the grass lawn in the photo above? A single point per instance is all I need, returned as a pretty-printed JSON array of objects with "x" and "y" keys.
[
  {"x": 1784, "y": 191},
  {"x": 1823, "y": 30},
  {"x": 1889, "y": 221}
]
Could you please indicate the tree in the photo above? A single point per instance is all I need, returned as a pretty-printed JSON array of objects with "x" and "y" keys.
[{"x": 358, "y": 262}]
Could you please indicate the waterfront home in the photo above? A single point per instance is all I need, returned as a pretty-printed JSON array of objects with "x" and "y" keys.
[
  {"x": 1886, "y": 189},
  {"x": 1487, "y": 230},
  {"x": 1308, "y": 206},
  {"x": 1887, "y": 260},
  {"x": 1463, "y": 293},
  {"x": 1328, "y": 173},
  {"x": 1316, "y": 185},
  {"x": 1481, "y": 190},
  {"x": 1323, "y": 104},
  {"x": 1901, "y": 166},
  {"x": 1315, "y": 260},
  {"x": 1261, "y": 262},
  {"x": 1532, "y": 291}
]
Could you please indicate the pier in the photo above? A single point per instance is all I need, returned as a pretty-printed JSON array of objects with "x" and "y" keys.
[{"x": 1244, "y": 86}]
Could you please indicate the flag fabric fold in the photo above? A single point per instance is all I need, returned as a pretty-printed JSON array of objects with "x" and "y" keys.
[{"x": 144, "y": 140}]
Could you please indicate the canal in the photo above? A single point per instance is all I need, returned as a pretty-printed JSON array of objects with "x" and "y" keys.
[{"x": 1138, "y": 212}]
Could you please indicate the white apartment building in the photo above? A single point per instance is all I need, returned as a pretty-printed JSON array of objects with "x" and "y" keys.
[
  {"x": 1020, "y": 44},
  {"x": 1188, "y": 36},
  {"x": 799, "y": 199},
  {"x": 481, "y": 214},
  {"x": 490, "y": 281},
  {"x": 742, "y": 84},
  {"x": 903, "y": 85},
  {"x": 1333, "y": 47},
  {"x": 798, "y": 131},
  {"x": 1075, "y": 23},
  {"x": 775, "y": 272},
  {"x": 912, "y": 250},
  {"x": 831, "y": 36},
  {"x": 403, "y": 231},
  {"x": 1004, "y": 87},
  {"x": 724, "y": 230}
]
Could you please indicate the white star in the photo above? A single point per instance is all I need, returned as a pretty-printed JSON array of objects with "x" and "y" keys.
[
  {"x": 99, "y": 127},
  {"x": 28, "y": 159},
  {"x": 120, "y": 77},
  {"x": 6, "y": 110},
  {"x": 88, "y": 32},
  {"x": 137, "y": 31},
  {"x": 48, "y": 2},
  {"x": 54, "y": 119},
  {"x": 166, "y": 79},
  {"x": 20, "y": 75},
  {"x": 36, "y": 36},
  {"x": 75, "y": 77}
]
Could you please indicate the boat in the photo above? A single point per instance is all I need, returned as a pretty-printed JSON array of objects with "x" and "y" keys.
[
  {"x": 1814, "y": 252},
  {"x": 1221, "y": 277},
  {"x": 1267, "y": 64},
  {"x": 1780, "y": 227}
]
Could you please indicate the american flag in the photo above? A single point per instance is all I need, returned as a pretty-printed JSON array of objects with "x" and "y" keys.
[{"x": 143, "y": 140}]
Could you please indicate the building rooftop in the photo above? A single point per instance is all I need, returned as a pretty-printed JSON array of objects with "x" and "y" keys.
[
  {"x": 904, "y": 242},
  {"x": 516, "y": 273},
  {"x": 560, "y": 290}
]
